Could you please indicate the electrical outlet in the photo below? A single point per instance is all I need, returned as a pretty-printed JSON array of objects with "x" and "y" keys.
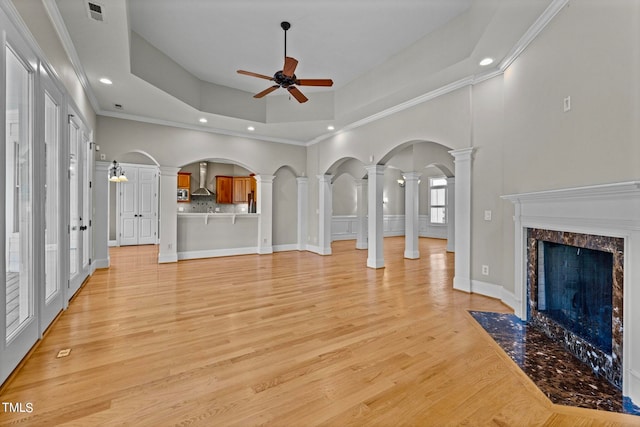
[
  {"x": 487, "y": 215},
  {"x": 567, "y": 104},
  {"x": 485, "y": 270}
]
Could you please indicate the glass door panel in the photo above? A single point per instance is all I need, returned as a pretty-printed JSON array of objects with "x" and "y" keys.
[
  {"x": 18, "y": 197},
  {"x": 74, "y": 213},
  {"x": 52, "y": 200}
]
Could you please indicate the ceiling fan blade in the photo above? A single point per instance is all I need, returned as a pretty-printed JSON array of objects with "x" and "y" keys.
[
  {"x": 290, "y": 65},
  {"x": 297, "y": 94},
  {"x": 249, "y": 73},
  {"x": 314, "y": 82},
  {"x": 266, "y": 91}
]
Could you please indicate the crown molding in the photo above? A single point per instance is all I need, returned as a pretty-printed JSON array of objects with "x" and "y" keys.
[
  {"x": 534, "y": 30},
  {"x": 538, "y": 26},
  {"x": 150, "y": 120},
  {"x": 58, "y": 23}
]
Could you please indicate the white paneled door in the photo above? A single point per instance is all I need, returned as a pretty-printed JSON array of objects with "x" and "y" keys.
[
  {"x": 139, "y": 205},
  {"x": 80, "y": 161}
]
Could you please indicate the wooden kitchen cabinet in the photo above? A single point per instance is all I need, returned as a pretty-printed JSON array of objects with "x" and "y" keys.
[
  {"x": 241, "y": 188},
  {"x": 184, "y": 180},
  {"x": 224, "y": 189}
]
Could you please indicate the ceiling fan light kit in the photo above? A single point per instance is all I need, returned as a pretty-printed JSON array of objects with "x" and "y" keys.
[{"x": 286, "y": 77}]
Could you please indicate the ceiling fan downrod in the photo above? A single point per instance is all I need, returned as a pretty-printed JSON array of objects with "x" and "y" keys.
[{"x": 285, "y": 26}]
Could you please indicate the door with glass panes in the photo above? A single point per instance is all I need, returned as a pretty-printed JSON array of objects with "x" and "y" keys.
[{"x": 80, "y": 161}]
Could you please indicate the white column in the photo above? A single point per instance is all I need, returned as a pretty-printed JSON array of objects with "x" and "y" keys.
[
  {"x": 325, "y": 207},
  {"x": 450, "y": 214},
  {"x": 375, "y": 257},
  {"x": 101, "y": 215},
  {"x": 264, "y": 208},
  {"x": 303, "y": 208},
  {"x": 361, "y": 213},
  {"x": 411, "y": 204},
  {"x": 168, "y": 215},
  {"x": 463, "y": 159}
]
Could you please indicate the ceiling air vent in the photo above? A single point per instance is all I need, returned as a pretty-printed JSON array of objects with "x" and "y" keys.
[{"x": 95, "y": 11}]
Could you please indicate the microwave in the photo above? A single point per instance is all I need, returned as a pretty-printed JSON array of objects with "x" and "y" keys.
[{"x": 183, "y": 194}]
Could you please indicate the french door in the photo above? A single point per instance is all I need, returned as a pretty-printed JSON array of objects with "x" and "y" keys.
[
  {"x": 80, "y": 161},
  {"x": 52, "y": 300},
  {"x": 19, "y": 320}
]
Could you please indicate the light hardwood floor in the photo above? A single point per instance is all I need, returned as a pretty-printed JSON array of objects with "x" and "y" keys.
[{"x": 291, "y": 339}]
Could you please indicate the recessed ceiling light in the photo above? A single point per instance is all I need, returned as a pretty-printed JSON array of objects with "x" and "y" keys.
[
  {"x": 251, "y": 128},
  {"x": 486, "y": 61},
  {"x": 106, "y": 81},
  {"x": 203, "y": 120},
  {"x": 330, "y": 127}
]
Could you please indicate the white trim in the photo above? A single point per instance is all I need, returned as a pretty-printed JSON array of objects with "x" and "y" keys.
[
  {"x": 167, "y": 258},
  {"x": 151, "y": 120},
  {"x": 113, "y": 243},
  {"x": 69, "y": 48},
  {"x": 286, "y": 248},
  {"x": 213, "y": 253},
  {"x": 541, "y": 23},
  {"x": 606, "y": 210},
  {"x": 492, "y": 290},
  {"x": 100, "y": 263},
  {"x": 314, "y": 249}
]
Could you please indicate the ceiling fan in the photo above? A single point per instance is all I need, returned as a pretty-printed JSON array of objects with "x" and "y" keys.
[{"x": 286, "y": 78}]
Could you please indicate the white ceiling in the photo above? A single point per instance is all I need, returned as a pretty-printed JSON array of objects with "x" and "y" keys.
[
  {"x": 332, "y": 39},
  {"x": 379, "y": 53}
]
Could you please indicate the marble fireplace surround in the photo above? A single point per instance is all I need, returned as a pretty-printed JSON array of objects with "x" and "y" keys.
[
  {"x": 611, "y": 210},
  {"x": 608, "y": 365}
]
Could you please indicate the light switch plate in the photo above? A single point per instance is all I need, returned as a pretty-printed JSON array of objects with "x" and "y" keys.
[{"x": 487, "y": 215}]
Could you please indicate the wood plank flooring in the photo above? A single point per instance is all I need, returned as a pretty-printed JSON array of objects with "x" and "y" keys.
[{"x": 290, "y": 339}]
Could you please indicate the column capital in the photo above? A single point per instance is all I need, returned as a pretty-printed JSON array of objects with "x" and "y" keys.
[
  {"x": 169, "y": 171},
  {"x": 375, "y": 169},
  {"x": 361, "y": 182},
  {"x": 267, "y": 179},
  {"x": 411, "y": 176},
  {"x": 325, "y": 178},
  {"x": 462, "y": 154},
  {"x": 302, "y": 180}
]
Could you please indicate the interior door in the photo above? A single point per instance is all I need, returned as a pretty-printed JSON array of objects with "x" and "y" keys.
[
  {"x": 147, "y": 203},
  {"x": 129, "y": 208},
  {"x": 79, "y": 205},
  {"x": 52, "y": 300}
]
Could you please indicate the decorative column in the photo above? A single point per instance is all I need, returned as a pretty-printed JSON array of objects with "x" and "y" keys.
[
  {"x": 375, "y": 257},
  {"x": 168, "y": 229},
  {"x": 361, "y": 213},
  {"x": 411, "y": 204},
  {"x": 101, "y": 215},
  {"x": 450, "y": 214},
  {"x": 264, "y": 208},
  {"x": 463, "y": 159},
  {"x": 325, "y": 207},
  {"x": 303, "y": 208}
]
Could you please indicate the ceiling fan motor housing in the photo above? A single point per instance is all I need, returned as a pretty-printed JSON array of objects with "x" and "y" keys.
[{"x": 284, "y": 81}]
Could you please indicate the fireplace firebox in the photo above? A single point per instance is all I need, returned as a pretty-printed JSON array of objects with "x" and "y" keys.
[{"x": 575, "y": 295}]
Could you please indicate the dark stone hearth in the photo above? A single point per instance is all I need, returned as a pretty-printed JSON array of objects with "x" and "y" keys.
[{"x": 563, "y": 378}]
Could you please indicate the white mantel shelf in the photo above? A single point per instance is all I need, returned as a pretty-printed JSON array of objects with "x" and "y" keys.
[{"x": 602, "y": 190}]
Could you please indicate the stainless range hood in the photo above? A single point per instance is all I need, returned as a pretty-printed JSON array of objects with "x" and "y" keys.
[{"x": 202, "y": 191}]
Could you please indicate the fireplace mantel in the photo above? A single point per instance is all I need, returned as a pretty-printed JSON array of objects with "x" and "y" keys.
[{"x": 605, "y": 210}]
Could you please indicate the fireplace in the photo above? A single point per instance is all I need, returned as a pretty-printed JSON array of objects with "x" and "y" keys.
[
  {"x": 601, "y": 218},
  {"x": 575, "y": 284}
]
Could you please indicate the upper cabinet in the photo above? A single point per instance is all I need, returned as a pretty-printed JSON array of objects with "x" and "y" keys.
[
  {"x": 184, "y": 180},
  {"x": 224, "y": 189}
]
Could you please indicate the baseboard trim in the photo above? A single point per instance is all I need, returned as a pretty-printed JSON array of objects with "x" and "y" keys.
[
  {"x": 112, "y": 243},
  {"x": 285, "y": 248},
  {"x": 162, "y": 259},
  {"x": 214, "y": 253},
  {"x": 100, "y": 263},
  {"x": 494, "y": 291}
]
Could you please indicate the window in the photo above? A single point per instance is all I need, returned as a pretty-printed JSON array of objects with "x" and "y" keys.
[{"x": 437, "y": 200}]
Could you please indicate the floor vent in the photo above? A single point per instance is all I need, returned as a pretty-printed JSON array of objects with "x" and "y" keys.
[{"x": 95, "y": 11}]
